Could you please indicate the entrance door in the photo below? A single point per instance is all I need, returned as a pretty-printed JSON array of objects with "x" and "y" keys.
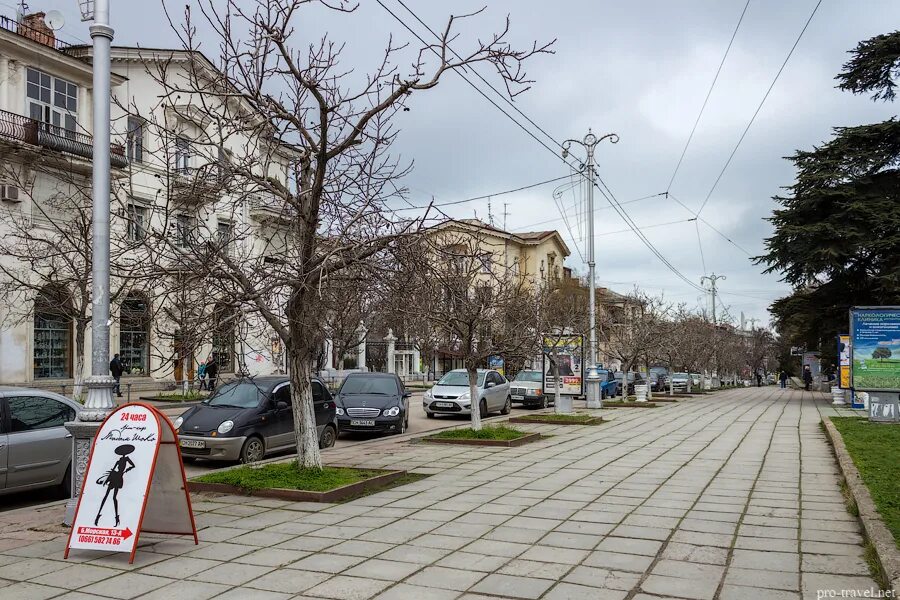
[{"x": 184, "y": 362}]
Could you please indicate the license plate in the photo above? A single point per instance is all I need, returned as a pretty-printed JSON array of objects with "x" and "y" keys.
[
  {"x": 444, "y": 404},
  {"x": 358, "y": 423},
  {"x": 518, "y": 397},
  {"x": 192, "y": 443}
]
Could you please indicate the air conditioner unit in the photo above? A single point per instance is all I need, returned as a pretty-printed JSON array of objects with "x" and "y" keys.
[{"x": 9, "y": 192}]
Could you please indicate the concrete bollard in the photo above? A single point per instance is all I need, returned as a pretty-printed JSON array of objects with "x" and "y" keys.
[
  {"x": 640, "y": 391},
  {"x": 837, "y": 395}
]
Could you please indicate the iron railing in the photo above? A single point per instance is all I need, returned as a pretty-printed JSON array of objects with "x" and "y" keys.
[
  {"x": 53, "y": 137},
  {"x": 41, "y": 37}
]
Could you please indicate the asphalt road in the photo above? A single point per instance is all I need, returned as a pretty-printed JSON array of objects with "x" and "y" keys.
[{"x": 418, "y": 424}]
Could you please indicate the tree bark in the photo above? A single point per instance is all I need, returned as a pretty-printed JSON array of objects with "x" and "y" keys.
[
  {"x": 306, "y": 436},
  {"x": 474, "y": 405},
  {"x": 78, "y": 375}
]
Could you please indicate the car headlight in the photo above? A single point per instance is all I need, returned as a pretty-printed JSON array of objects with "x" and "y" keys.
[
  {"x": 339, "y": 411},
  {"x": 465, "y": 396},
  {"x": 178, "y": 422},
  {"x": 225, "y": 427},
  {"x": 428, "y": 394},
  {"x": 538, "y": 392},
  {"x": 391, "y": 412}
]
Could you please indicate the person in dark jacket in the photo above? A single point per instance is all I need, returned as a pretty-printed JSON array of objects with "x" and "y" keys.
[
  {"x": 782, "y": 378},
  {"x": 116, "y": 368},
  {"x": 212, "y": 371},
  {"x": 807, "y": 377}
]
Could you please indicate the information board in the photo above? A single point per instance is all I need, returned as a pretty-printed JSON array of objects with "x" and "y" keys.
[
  {"x": 844, "y": 361},
  {"x": 568, "y": 353},
  {"x": 875, "y": 348},
  {"x": 884, "y": 407},
  {"x": 134, "y": 482}
]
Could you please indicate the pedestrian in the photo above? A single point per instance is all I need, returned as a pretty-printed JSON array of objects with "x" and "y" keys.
[
  {"x": 807, "y": 377},
  {"x": 201, "y": 375},
  {"x": 758, "y": 379},
  {"x": 116, "y": 368},
  {"x": 212, "y": 371},
  {"x": 782, "y": 378}
]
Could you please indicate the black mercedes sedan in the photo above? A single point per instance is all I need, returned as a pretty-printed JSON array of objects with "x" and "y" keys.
[
  {"x": 373, "y": 402},
  {"x": 249, "y": 418}
]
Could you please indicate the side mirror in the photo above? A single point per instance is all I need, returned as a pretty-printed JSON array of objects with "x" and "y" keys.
[
  {"x": 281, "y": 404},
  {"x": 407, "y": 394},
  {"x": 490, "y": 384}
]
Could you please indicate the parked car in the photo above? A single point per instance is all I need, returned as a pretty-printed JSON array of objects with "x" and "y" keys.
[
  {"x": 658, "y": 378},
  {"x": 249, "y": 418},
  {"x": 526, "y": 388},
  {"x": 695, "y": 380},
  {"x": 450, "y": 395},
  {"x": 680, "y": 381},
  {"x": 35, "y": 448},
  {"x": 372, "y": 402},
  {"x": 633, "y": 378},
  {"x": 608, "y": 383}
]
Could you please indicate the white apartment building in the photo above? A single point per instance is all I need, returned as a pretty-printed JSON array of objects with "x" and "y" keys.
[{"x": 162, "y": 181}]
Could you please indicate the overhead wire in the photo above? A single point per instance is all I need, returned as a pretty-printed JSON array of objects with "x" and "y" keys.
[
  {"x": 485, "y": 196},
  {"x": 708, "y": 94},
  {"x": 759, "y": 108}
]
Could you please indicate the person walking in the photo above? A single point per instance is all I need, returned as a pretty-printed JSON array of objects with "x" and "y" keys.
[
  {"x": 758, "y": 379},
  {"x": 201, "y": 375},
  {"x": 782, "y": 378},
  {"x": 807, "y": 377},
  {"x": 212, "y": 371},
  {"x": 116, "y": 368}
]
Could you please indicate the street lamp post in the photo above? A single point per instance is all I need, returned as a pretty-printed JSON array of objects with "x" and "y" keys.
[
  {"x": 100, "y": 384},
  {"x": 590, "y": 142}
]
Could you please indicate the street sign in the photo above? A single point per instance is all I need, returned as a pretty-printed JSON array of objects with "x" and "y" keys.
[
  {"x": 884, "y": 407},
  {"x": 875, "y": 348},
  {"x": 134, "y": 482}
]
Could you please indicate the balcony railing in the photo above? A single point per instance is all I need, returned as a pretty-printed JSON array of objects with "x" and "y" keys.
[
  {"x": 41, "y": 37},
  {"x": 38, "y": 133},
  {"x": 267, "y": 206}
]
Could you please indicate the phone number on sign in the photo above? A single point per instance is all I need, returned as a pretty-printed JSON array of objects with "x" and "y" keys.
[{"x": 99, "y": 539}]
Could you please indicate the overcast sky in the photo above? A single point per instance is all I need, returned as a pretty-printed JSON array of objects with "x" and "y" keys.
[{"x": 639, "y": 69}]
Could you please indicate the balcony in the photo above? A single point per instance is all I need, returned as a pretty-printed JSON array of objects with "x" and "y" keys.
[
  {"x": 37, "y": 133},
  {"x": 44, "y": 37},
  {"x": 268, "y": 207},
  {"x": 194, "y": 186}
]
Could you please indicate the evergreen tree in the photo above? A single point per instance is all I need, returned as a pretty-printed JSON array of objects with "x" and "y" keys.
[{"x": 837, "y": 233}]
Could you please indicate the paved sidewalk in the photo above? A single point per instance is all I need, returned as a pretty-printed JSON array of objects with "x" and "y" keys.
[{"x": 731, "y": 496}]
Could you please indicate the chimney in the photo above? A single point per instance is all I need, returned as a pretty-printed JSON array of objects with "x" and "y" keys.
[{"x": 34, "y": 28}]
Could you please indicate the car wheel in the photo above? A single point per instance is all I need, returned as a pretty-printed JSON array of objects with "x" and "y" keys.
[
  {"x": 404, "y": 425},
  {"x": 429, "y": 415},
  {"x": 329, "y": 437},
  {"x": 65, "y": 486},
  {"x": 482, "y": 408},
  {"x": 253, "y": 451},
  {"x": 507, "y": 408}
]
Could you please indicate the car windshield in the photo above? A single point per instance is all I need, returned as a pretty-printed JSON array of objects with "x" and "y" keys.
[
  {"x": 236, "y": 395},
  {"x": 360, "y": 384},
  {"x": 618, "y": 375},
  {"x": 529, "y": 376},
  {"x": 680, "y": 376},
  {"x": 459, "y": 378}
]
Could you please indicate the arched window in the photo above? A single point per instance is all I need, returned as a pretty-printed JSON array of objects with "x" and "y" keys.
[
  {"x": 52, "y": 334},
  {"x": 223, "y": 337},
  {"x": 134, "y": 334}
]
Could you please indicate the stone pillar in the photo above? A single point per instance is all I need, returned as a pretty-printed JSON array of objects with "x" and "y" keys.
[
  {"x": 361, "y": 349},
  {"x": 329, "y": 353},
  {"x": 391, "y": 340},
  {"x": 417, "y": 361},
  {"x": 4, "y": 81}
]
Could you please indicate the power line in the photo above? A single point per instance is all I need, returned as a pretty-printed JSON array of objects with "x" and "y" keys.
[
  {"x": 708, "y": 224},
  {"x": 700, "y": 244},
  {"x": 758, "y": 108},
  {"x": 708, "y": 94},
  {"x": 596, "y": 210},
  {"x": 484, "y": 197}
]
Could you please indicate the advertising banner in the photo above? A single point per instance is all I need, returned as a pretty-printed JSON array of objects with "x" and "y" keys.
[
  {"x": 568, "y": 353},
  {"x": 496, "y": 363},
  {"x": 875, "y": 348},
  {"x": 134, "y": 482},
  {"x": 844, "y": 361}
]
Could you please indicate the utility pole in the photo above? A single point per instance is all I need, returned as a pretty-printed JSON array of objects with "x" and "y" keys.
[
  {"x": 712, "y": 282},
  {"x": 99, "y": 401},
  {"x": 590, "y": 142}
]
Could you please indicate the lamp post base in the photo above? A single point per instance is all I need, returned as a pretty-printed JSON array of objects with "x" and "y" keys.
[
  {"x": 99, "y": 403},
  {"x": 593, "y": 389}
]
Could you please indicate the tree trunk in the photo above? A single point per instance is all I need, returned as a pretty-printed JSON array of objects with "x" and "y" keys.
[
  {"x": 306, "y": 436},
  {"x": 78, "y": 375},
  {"x": 671, "y": 382},
  {"x": 473, "y": 399}
]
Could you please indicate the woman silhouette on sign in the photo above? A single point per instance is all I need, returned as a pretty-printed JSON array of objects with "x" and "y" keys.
[{"x": 114, "y": 479}]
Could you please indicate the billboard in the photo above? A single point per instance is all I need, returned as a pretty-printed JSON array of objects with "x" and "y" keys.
[
  {"x": 875, "y": 348},
  {"x": 496, "y": 362},
  {"x": 568, "y": 352},
  {"x": 844, "y": 361}
]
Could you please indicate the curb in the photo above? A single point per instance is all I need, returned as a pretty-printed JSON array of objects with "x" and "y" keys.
[
  {"x": 519, "y": 441},
  {"x": 336, "y": 495},
  {"x": 874, "y": 528}
]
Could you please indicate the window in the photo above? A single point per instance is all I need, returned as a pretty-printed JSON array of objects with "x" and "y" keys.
[
  {"x": 30, "y": 413},
  {"x": 485, "y": 260},
  {"x": 135, "y": 141},
  {"x": 225, "y": 234},
  {"x": 182, "y": 163},
  {"x": 184, "y": 230},
  {"x": 51, "y": 100},
  {"x": 134, "y": 334},
  {"x": 283, "y": 394},
  {"x": 318, "y": 393},
  {"x": 137, "y": 222},
  {"x": 52, "y": 335},
  {"x": 223, "y": 338}
]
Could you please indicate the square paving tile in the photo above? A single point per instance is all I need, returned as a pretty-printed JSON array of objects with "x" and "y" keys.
[
  {"x": 126, "y": 585},
  {"x": 444, "y": 578},
  {"x": 349, "y": 588},
  {"x": 512, "y": 587}
]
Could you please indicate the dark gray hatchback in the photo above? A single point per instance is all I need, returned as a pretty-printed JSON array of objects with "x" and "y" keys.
[{"x": 374, "y": 403}]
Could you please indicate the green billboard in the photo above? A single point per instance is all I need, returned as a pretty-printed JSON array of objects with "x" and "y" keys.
[{"x": 875, "y": 347}]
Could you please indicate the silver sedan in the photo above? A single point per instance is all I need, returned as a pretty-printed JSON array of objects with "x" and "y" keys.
[{"x": 451, "y": 394}]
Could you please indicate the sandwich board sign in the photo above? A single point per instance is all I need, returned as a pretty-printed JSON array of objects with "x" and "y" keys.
[{"x": 134, "y": 483}]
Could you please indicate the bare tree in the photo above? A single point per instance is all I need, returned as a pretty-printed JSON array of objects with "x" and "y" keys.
[
  {"x": 633, "y": 330},
  {"x": 563, "y": 315},
  {"x": 292, "y": 138}
]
